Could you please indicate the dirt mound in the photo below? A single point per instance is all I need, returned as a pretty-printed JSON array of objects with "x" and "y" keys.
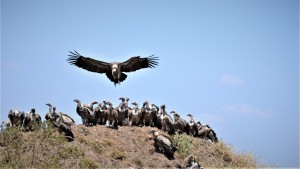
[{"x": 99, "y": 146}]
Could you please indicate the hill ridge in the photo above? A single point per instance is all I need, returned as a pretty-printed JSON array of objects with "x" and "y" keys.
[{"x": 102, "y": 147}]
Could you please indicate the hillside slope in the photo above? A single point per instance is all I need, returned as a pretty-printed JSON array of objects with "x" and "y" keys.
[{"x": 99, "y": 146}]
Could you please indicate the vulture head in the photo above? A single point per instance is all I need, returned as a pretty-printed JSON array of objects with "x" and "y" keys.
[
  {"x": 127, "y": 99},
  {"x": 100, "y": 104},
  {"x": 32, "y": 110},
  {"x": 198, "y": 122},
  {"x": 163, "y": 106},
  {"x": 48, "y": 104},
  {"x": 114, "y": 70},
  {"x": 190, "y": 115},
  {"x": 76, "y": 100},
  {"x": 109, "y": 103},
  {"x": 135, "y": 103},
  {"x": 54, "y": 108},
  {"x": 94, "y": 102},
  {"x": 153, "y": 132},
  {"x": 145, "y": 103},
  {"x": 122, "y": 98},
  {"x": 175, "y": 113}
]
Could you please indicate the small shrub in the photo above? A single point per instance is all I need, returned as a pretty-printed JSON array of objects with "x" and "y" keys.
[{"x": 183, "y": 144}]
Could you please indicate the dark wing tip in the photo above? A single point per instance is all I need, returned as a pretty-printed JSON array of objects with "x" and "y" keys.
[
  {"x": 74, "y": 56},
  {"x": 152, "y": 61}
]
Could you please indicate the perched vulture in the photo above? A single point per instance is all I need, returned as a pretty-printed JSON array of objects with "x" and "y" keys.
[
  {"x": 135, "y": 115},
  {"x": 191, "y": 163},
  {"x": 16, "y": 118},
  {"x": 180, "y": 125},
  {"x": 163, "y": 143},
  {"x": 193, "y": 127},
  {"x": 114, "y": 70}
]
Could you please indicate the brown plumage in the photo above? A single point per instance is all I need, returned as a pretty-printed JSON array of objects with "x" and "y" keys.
[
  {"x": 179, "y": 123},
  {"x": 193, "y": 128},
  {"x": 114, "y": 70},
  {"x": 112, "y": 116}
]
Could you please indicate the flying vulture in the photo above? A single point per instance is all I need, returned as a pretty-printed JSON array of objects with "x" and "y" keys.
[{"x": 114, "y": 70}]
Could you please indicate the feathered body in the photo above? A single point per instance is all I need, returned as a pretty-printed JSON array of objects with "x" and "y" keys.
[
  {"x": 135, "y": 115},
  {"x": 163, "y": 143},
  {"x": 180, "y": 125},
  {"x": 100, "y": 114}
]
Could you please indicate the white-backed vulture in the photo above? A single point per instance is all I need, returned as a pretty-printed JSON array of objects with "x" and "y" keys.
[
  {"x": 5, "y": 125},
  {"x": 86, "y": 113},
  {"x": 16, "y": 118},
  {"x": 122, "y": 110},
  {"x": 49, "y": 115},
  {"x": 180, "y": 125},
  {"x": 206, "y": 132},
  {"x": 64, "y": 128},
  {"x": 163, "y": 144},
  {"x": 156, "y": 119},
  {"x": 32, "y": 120},
  {"x": 191, "y": 163},
  {"x": 63, "y": 117},
  {"x": 112, "y": 116},
  {"x": 135, "y": 115},
  {"x": 166, "y": 120},
  {"x": 148, "y": 114},
  {"x": 60, "y": 121},
  {"x": 100, "y": 114},
  {"x": 91, "y": 105},
  {"x": 114, "y": 71},
  {"x": 193, "y": 128}
]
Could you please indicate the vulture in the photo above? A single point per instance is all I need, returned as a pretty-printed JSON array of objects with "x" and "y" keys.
[
  {"x": 206, "y": 132},
  {"x": 32, "y": 120},
  {"x": 123, "y": 112},
  {"x": 49, "y": 115},
  {"x": 156, "y": 119},
  {"x": 63, "y": 117},
  {"x": 193, "y": 128},
  {"x": 100, "y": 114},
  {"x": 148, "y": 114},
  {"x": 85, "y": 112},
  {"x": 180, "y": 124},
  {"x": 135, "y": 115},
  {"x": 166, "y": 121},
  {"x": 191, "y": 163},
  {"x": 16, "y": 118},
  {"x": 114, "y": 70},
  {"x": 53, "y": 116},
  {"x": 163, "y": 143},
  {"x": 111, "y": 116},
  {"x": 65, "y": 129}
]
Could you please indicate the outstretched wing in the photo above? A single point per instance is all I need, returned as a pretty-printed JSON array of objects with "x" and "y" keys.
[
  {"x": 136, "y": 63},
  {"x": 88, "y": 63}
]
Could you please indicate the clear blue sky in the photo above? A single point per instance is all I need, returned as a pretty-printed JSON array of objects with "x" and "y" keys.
[{"x": 233, "y": 64}]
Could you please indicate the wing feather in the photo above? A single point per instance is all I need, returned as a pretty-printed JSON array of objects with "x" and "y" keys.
[
  {"x": 88, "y": 63},
  {"x": 136, "y": 63}
]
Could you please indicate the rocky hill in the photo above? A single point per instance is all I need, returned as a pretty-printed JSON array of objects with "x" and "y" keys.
[{"x": 102, "y": 147}]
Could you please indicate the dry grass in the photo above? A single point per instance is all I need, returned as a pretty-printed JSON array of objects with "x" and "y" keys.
[{"x": 101, "y": 147}]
